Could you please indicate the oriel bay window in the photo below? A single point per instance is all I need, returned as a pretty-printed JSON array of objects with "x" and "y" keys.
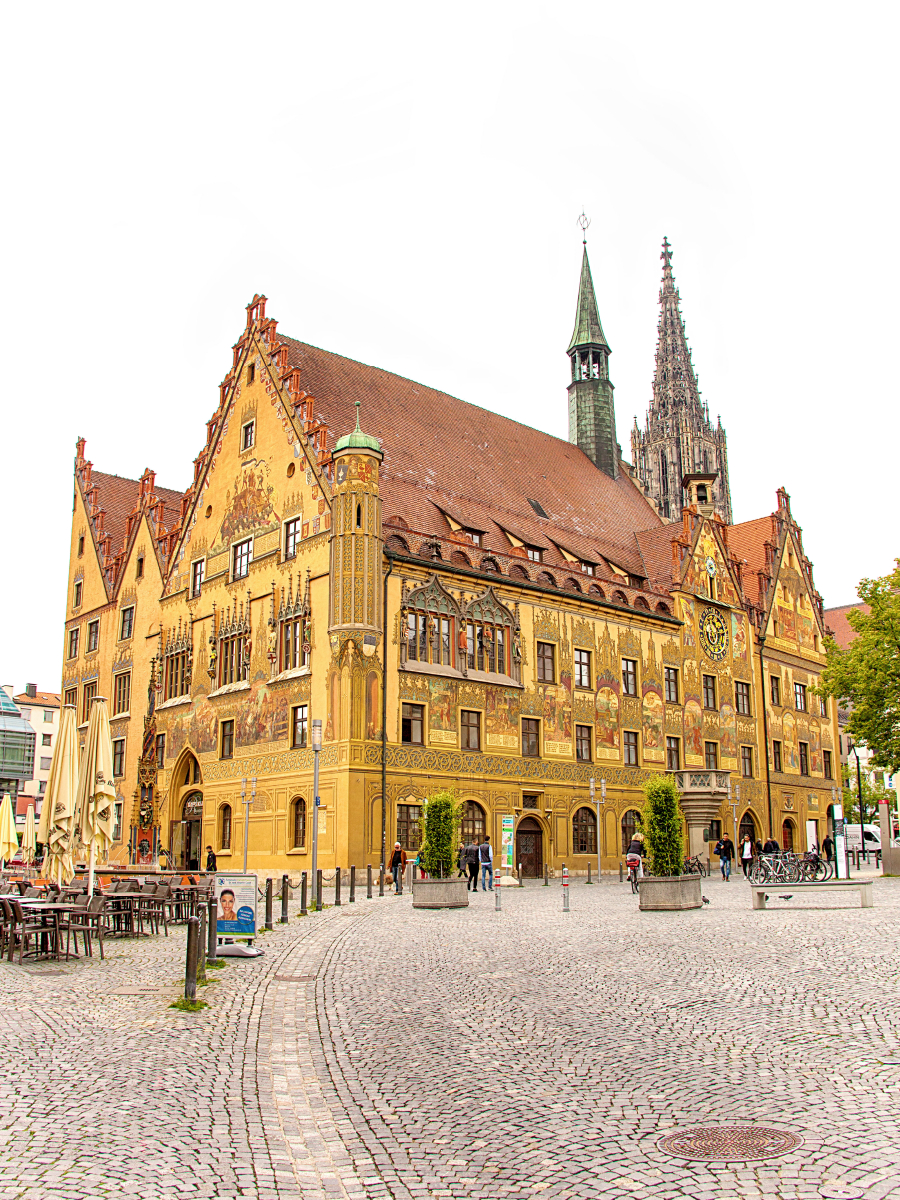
[
  {"x": 293, "y": 622},
  {"x": 230, "y": 642},
  {"x": 177, "y": 661},
  {"x": 487, "y": 647},
  {"x": 480, "y": 636},
  {"x": 428, "y": 638}
]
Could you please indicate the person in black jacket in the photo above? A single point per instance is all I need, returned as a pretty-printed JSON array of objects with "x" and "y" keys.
[
  {"x": 210, "y": 859},
  {"x": 472, "y": 857},
  {"x": 725, "y": 851}
]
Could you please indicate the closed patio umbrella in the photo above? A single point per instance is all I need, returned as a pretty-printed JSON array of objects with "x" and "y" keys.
[
  {"x": 29, "y": 840},
  {"x": 95, "y": 801},
  {"x": 9, "y": 842},
  {"x": 56, "y": 829}
]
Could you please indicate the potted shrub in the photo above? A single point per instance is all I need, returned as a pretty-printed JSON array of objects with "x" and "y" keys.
[
  {"x": 442, "y": 888},
  {"x": 667, "y": 888}
]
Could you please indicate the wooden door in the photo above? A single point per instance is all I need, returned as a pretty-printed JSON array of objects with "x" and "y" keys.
[{"x": 530, "y": 848}]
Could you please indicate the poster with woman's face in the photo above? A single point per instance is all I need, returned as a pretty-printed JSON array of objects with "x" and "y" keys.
[{"x": 236, "y": 905}]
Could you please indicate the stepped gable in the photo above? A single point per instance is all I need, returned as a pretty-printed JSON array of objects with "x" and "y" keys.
[
  {"x": 117, "y": 496},
  {"x": 443, "y": 454}
]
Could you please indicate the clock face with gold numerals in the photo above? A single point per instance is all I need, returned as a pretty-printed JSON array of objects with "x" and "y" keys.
[{"x": 713, "y": 634}]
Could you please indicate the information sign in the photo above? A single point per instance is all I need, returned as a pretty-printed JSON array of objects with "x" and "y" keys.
[{"x": 507, "y": 834}]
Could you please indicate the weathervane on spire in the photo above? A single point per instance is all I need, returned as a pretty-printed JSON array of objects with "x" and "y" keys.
[
  {"x": 666, "y": 255},
  {"x": 583, "y": 223}
]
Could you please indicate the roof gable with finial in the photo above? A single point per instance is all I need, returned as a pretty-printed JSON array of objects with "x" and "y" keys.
[
  {"x": 357, "y": 440},
  {"x": 588, "y": 331}
]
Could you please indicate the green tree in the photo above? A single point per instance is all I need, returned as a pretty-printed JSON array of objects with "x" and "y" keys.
[
  {"x": 866, "y": 676},
  {"x": 663, "y": 826},
  {"x": 441, "y": 821}
]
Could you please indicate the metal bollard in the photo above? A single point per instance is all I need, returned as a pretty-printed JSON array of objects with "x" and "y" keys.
[
  {"x": 201, "y": 941},
  {"x": 381, "y": 881},
  {"x": 284, "y": 899},
  {"x": 318, "y": 904},
  {"x": 212, "y": 945},
  {"x": 269, "y": 924},
  {"x": 303, "y": 909},
  {"x": 369, "y": 882},
  {"x": 337, "y": 887},
  {"x": 546, "y": 875},
  {"x": 565, "y": 885},
  {"x": 353, "y": 885},
  {"x": 398, "y": 880},
  {"x": 190, "y": 964},
  {"x": 589, "y": 874},
  {"x": 497, "y": 890},
  {"x": 621, "y": 874},
  {"x": 521, "y": 884},
  {"x": 707, "y": 864}
]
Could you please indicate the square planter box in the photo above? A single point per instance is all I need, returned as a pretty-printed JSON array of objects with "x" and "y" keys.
[
  {"x": 674, "y": 894},
  {"x": 440, "y": 893}
]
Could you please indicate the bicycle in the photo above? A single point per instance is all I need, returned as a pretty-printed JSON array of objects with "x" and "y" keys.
[
  {"x": 776, "y": 868},
  {"x": 693, "y": 866},
  {"x": 634, "y": 865}
]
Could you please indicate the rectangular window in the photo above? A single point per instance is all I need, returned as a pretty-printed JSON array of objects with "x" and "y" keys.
[
  {"x": 742, "y": 698},
  {"x": 583, "y": 668},
  {"x": 139, "y": 569},
  {"x": 231, "y": 650},
  {"x": 160, "y": 749},
  {"x": 176, "y": 675},
  {"x": 775, "y": 689},
  {"x": 712, "y": 755},
  {"x": 545, "y": 662},
  {"x": 747, "y": 762},
  {"x": 291, "y": 537},
  {"x": 198, "y": 570},
  {"x": 823, "y": 704},
  {"x": 80, "y": 546},
  {"x": 26, "y": 713},
  {"x": 87, "y": 699},
  {"x": 470, "y": 730},
  {"x": 629, "y": 676},
  {"x": 122, "y": 693},
  {"x": 45, "y": 764},
  {"x": 630, "y": 740},
  {"x": 776, "y": 756},
  {"x": 413, "y": 723},
  {"x": 474, "y": 538},
  {"x": 709, "y": 691},
  {"x": 127, "y": 628},
  {"x": 93, "y": 636},
  {"x": 117, "y": 824},
  {"x": 293, "y": 643},
  {"x": 46, "y": 739},
  {"x": 240, "y": 560},
  {"x": 673, "y": 754},
  {"x": 247, "y": 435},
  {"x": 76, "y": 599},
  {"x": 531, "y": 737},
  {"x": 298, "y": 727},
  {"x": 251, "y": 372},
  {"x": 409, "y": 826},
  {"x": 535, "y": 554},
  {"x": 804, "y": 758},
  {"x": 583, "y": 743},
  {"x": 672, "y": 685},
  {"x": 826, "y": 758},
  {"x": 71, "y": 697},
  {"x": 715, "y": 830},
  {"x": 119, "y": 757},
  {"x": 73, "y": 643},
  {"x": 42, "y": 787},
  {"x": 800, "y": 697},
  {"x": 588, "y": 568},
  {"x": 227, "y": 747}
]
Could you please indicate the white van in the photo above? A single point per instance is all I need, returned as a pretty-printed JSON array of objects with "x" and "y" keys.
[{"x": 871, "y": 833}]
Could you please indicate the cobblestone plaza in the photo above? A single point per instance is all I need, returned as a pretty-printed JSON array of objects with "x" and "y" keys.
[{"x": 377, "y": 1051}]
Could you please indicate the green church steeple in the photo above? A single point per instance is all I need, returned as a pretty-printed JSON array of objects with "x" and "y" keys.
[{"x": 592, "y": 413}]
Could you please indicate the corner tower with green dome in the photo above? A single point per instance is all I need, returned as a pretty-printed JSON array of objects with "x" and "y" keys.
[
  {"x": 356, "y": 541},
  {"x": 592, "y": 413}
]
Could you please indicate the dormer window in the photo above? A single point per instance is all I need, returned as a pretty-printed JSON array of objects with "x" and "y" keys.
[
  {"x": 535, "y": 554},
  {"x": 247, "y": 434},
  {"x": 474, "y": 538},
  {"x": 588, "y": 568}
]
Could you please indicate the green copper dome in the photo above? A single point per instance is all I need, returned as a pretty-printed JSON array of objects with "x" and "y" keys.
[{"x": 357, "y": 440}]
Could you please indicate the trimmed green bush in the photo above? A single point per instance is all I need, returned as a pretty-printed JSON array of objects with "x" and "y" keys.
[
  {"x": 441, "y": 819},
  {"x": 663, "y": 826}
]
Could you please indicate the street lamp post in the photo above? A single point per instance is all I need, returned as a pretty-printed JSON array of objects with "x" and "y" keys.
[
  {"x": 317, "y": 746},
  {"x": 853, "y": 748},
  {"x": 246, "y": 800}
]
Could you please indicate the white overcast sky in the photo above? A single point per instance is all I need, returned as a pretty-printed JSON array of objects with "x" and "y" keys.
[{"x": 402, "y": 182}]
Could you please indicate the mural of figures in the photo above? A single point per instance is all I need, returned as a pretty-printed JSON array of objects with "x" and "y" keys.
[
  {"x": 442, "y": 705},
  {"x": 815, "y": 748},
  {"x": 787, "y": 623},
  {"x": 789, "y": 753},
  {"x": 689, "y": 616},
  {"x": 251, "y": 506},
  {"x": 196, "y": 728},
  {"x": 693, "y": 731},
  {"x": 607, "y": 720},
  {"x": 739, "y": 636},
  {"x": 373, "y": 708},
  {"x": 654, "y": 712},
  {"x": 806, "y": 632},
  {"x": 261, "y": 713},
  {"x": 501, "y": 715},
  {"x": 728, "y": 744}
]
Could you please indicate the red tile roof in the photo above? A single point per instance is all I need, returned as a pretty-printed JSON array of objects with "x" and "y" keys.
[
  {"x": 441, "y": 453},
  {"x": 38, "y": 700},
  {"x": 836, "y": 621},
  {"x": 117, "y": 496}
]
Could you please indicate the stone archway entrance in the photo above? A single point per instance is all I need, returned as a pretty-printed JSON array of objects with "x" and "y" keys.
[
  {"x": 787, "y": 835},
  {"x": 530, "y": 848}
]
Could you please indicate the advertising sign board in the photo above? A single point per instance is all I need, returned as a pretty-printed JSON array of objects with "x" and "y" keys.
[{"x": 236, "y": 897}]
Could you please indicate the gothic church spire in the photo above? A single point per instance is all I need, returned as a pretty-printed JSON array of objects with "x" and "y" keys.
[
  {"x": 592, "y": 414},
  {"x": 674, "y": 382}
]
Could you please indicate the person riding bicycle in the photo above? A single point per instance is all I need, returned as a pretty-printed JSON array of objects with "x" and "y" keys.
[{"x": 634, "y": 854}]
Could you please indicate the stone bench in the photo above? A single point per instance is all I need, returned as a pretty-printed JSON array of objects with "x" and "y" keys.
[{"x": 760, "y": 891}]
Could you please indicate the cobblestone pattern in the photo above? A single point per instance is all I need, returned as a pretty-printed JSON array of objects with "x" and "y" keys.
[{"x": 467, "y": 1053}]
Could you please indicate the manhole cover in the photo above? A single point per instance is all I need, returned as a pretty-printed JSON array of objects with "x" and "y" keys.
[
  {"x": 729, "y": 1143},
  {"x": 838, "y": 1193}
]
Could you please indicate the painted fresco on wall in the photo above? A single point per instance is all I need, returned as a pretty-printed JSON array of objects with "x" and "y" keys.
[
  {"x": 787, "y": 623},
  {"x": 815, "y": 749},
  {"x": 501, "y": 718},
  {"x": 689, "y": 616},
  {"x": 693, "y": 729},
  {"x": 607, "y": 719},
  {"x": 653, "y": 719},
  {"x": 261, "y": 717},
  {"x": 442, "y": 705},
  {"x": 250, "y": 505},
  {"x": 729, "y": 741},
  {"x": 197, "y": 728},
  {"x": 373, "y": 708},
  {"x": 789, "y": 756},
  {"x": 806, "y": 632},
  {"x": 557, "y": 715},
  {"x": 739, "y": 636}
]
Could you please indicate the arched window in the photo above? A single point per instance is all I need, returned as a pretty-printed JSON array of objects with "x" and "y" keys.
[
  {"x": 572, "y": 585},
  {"x": 787, "y": 835},
  {"x": 630, "y": 823},
  {"x": 517, "y": 572},
  {"x": 747, "y": 827},
  {"x": 640, "y": 602},
  {"x": 225, "y": 827},
  {"x": 491, "y": 636},
  {"x": 584, "y": 831},
  {"x": 596, "y": 590},
  {"x": 432, "y": 619},
  {"x": 546, "y": 579},
  {"x": 298, "y": 822},
  {"x": 473, "y": 826},
  {"x": 619, "y": 598},
  {"x": 396, "y": 542},
  {"x": 662, "y": 608}
]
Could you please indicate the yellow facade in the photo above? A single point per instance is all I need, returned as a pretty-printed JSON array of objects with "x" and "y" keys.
[{"x": 303, "y": 610}]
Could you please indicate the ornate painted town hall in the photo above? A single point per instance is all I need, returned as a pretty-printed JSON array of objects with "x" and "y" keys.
[{"x": 461, "y": 600}]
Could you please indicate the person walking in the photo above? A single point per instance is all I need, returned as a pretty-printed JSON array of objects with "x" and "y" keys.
[
  {"x": 461, "y": 860},
  {"x": 828, "y": 847},
  {"x": 725, "y": 850},
  {"x": 398, "y": 866},
  {"x": 771, "y": 846},
  {"x": 472, "y": 860},
  {"x": 746, "y": 855},
  {"x": 420, "y": 863},
  {"x": 486, "y": 859},
  {"x": 210, "y": 859}
]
